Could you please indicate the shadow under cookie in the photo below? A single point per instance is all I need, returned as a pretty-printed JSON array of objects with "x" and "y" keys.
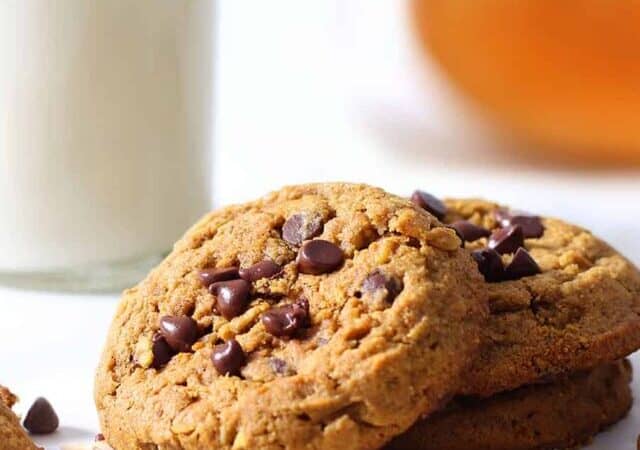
[{"x": 559, "y": 415}]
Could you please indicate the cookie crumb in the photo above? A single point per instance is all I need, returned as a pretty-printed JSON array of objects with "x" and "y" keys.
[{"x": 7, "y": 397}]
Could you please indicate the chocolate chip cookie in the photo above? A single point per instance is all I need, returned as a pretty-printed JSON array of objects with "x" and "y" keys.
[
  {"x": 325, "y": 316},
  {"x": 12, "y": 435},
  {"x": 563, "y": 414},
  {"x": 561, "y": 299}
]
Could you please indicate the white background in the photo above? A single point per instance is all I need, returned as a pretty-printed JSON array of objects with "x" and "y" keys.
[{"x": 311, "y": 91}]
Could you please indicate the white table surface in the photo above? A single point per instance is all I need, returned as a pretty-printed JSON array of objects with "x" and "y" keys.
[{"x": 289, "y": 110}]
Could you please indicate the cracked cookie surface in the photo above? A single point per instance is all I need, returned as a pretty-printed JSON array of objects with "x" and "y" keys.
[
  {"x": 581, "y": 310},
  {"x": 563, "y": 414},
  {"x": 334, "y": 349}
]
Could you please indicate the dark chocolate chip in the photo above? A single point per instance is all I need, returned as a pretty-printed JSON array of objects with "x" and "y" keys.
[
  {"x": 288, "y": 319},
  {"x": 278, "y": 365},
  {"x": 180, "y": 332},
  {"x": 531, "y": 224},
  {"x": 228, "y": 358},
  {"x": 489, "y": 264},
  {"x": 317, "y": 257},
  {"x": 41, "y": 418},
  {"x": 468, "y": 231},
  {"x": 413, "y": 242},
  {"x": 232, "y": 297},
  {"x": 377, "y": 280},
  {"x": 263, "y": 269},
  {"x": 301, "y": 227},
  {"x": 522, "y": 265},
  {"x": 162, "y": 351},
  {"x": 429, "y": 203},
  {"x": 506, "y": 240},
  {"x": 99, "y": 437},
  {"x": 210, "y": 276}
]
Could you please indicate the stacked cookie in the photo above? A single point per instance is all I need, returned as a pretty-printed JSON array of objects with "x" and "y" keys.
[
  {"x": 561, "y": 414},
  {"x": 557, "y": 329},
  {"x": 336, "y": 316}
]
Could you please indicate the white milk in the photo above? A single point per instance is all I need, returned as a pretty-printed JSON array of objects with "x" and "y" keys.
[{"x": 105, "y": 129}]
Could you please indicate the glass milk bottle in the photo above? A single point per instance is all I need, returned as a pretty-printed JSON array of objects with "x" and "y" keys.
[{"x": 105, "y": 135}]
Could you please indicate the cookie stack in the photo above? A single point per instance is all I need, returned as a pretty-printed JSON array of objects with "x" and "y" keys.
[
  {"x": 549, "y": 374},
  {"x": 338, "y": 316}
]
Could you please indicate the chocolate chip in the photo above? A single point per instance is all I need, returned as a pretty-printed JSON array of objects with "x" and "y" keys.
[
  {"x": 429, "y": 203},
  {"x": 41, "y": 418},
  {"x": 228, "y": 358},
  {"x": 263, "y": 269},
  {"x": 301, "y": 227},
  {"x": 232, "y": 297},
  {"x": 468, "y": 231},
  {"x": 489, "y": 264},
  {"x": 99, "y": 437},
  {"x": 506, "y": 240},
  {"x": 162, "y": 351},
  {"x": 531, "y": 225},
  {"x": 317, "y": 257},
  {"x": 377, "y": 280},
  {"x": 180, "y": 332},
  {"x": 210, "y": 276},
  {"x": 288, "y": 319},
  {"x": 522, "y": 265}
]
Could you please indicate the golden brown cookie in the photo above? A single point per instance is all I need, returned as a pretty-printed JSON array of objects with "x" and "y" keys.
[
  {"x": 563, "y": 414},
  {"x": 353, "y": 313},
  {"x": 569, "y": 302},
  {"x": 12, "y": 435}
]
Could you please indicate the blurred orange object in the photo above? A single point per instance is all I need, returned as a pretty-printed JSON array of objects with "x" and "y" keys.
[{"x": 565, "y": 74}]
